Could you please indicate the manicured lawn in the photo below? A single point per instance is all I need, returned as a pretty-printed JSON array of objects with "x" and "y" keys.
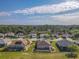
[
  {"x": 31, "y": 47},
  {"x": 25, "y": 55},
  {"x": 54, "y": 45}
]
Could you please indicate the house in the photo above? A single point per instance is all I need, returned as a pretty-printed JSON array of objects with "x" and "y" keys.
[
  {"x": 32, "y": 35},
  {"x": 16, "y": 45},
  {"x": 1, "y": 35},
  {"x": 9, "y": 34},
  {"x": 67, "y": 35},
  {"x": 43, "y": 45},
  {"x": 44, "y": 35},
  {"x": 2, "y": 43},
  {"x": 76, "y": 42},
  {"x": 71, "y": 35},
  {"x": 56, "y": 35},
  {"x": 20, "y": 34},
  {"x": 64, "y": 44}
]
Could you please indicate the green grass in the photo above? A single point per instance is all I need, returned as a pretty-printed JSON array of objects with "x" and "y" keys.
[
  {"x": 25, "y": 55},
  {"x": 31, "y": 47},
  {"x": 54, "y": 45}
]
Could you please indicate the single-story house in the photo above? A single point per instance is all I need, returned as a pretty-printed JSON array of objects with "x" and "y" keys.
[
  {"x": 67, "y": 35},
  {"x": 44, "y": 35},
  {"x": 56, "y": 35},
  {"x": 9, "y": 34},
  {"x": 2, "y": 43},
  {"x": 64, "y": 44},
  {"x": 32, "y": 35},
  {"x": 43, "y": 45},
  {"x": 1, "y": 35},
  {"x": 76, "y": 42},
  {"x": 71, "y": 35},
  {"x": 20, "y": 34},
  {"x": 16, "y": 45}
]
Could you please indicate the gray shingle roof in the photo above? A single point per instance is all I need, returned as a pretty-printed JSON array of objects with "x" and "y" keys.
[
  {"x": 42, "y": 44},
  {"x": 64, "y": 43}
]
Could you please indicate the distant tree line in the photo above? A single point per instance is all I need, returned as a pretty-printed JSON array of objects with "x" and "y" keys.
[{"x": 29, "y": 28}]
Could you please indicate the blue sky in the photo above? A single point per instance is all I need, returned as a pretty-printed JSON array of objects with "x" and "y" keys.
[{"x": 39, "y": 12}]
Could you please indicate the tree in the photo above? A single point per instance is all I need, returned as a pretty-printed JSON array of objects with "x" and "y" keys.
[
  {"x": 73, "y": 48},
  {"x": 73, "y": 52},
  {"x": 72, "y": 55}
]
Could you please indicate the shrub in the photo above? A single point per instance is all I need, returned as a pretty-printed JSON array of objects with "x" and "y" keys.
[
  {"x": 72, "y": 55},
  {"x": 73, "y": 48}
]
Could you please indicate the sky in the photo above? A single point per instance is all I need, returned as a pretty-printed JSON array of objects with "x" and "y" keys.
[{"x": 39, "y": 12}]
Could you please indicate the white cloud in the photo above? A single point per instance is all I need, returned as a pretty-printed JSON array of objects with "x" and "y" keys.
[
  {"x": 4, "y": 14},
  {"x": 53, "y": 8},
  {"x": 68, "y": 18}
]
